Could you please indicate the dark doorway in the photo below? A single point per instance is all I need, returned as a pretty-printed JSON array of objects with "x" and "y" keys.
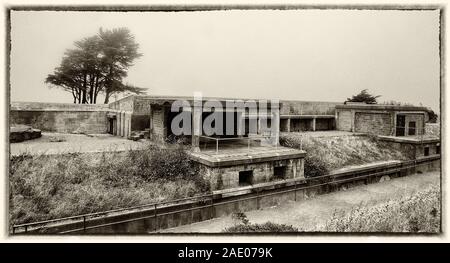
[
  {"x": 412, "y": 128},
  {"x": 245, "y": 177},
  {"x": 426, "y": 151},
  {"x": 400, "y": 126},
  {"x": 111, "y": 126},
  {"x": 279, "y": 172}
]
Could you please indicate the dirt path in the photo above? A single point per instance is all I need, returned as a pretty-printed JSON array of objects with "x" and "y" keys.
[{"x": 305, "y": 215}]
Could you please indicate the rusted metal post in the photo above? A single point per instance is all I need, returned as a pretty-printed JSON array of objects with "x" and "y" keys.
[
  {"x": 26, "y": 228},
  {"x": 84, "y": 223}
]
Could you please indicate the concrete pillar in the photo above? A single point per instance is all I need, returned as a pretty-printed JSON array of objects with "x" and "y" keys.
[
  {"x": 122, "y": 123},
  {"x": 119, "y": 124},
  {"x": 196, "y": 126},
  {"x": 276, "y": 126},
  {"x": 114, "y": 131},
  {"x": 126, "y": 125},
  {"x": 240, "y": 122},
  {"x": 288, "y": 124},
  {"x": 353, "y": 121},
  {"x": 314, "y": 124}
]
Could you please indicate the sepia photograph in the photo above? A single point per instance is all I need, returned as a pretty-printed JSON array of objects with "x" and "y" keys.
[{"x": 276, "y": 120}]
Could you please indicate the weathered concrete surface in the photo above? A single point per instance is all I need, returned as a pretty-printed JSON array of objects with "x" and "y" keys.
[
  {"x": 22, "y": 133},
  {"x": 60, "y": 117},
  {"x": 310, "y": 213},
  {"x": 59, "y": 143}
]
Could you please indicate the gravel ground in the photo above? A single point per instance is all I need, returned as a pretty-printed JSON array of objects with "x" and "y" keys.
[
  {"x": 308, "y": 214},
  {"x": 56, "y": 143}
]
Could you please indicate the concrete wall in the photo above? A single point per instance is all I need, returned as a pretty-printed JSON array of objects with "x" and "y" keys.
[
  {"x": 376, "y": 123},
  {"x": 228, "y": 177},
  {"x": 158, "y": 119},
  {"x": 298, "y": 125},
  {"x": 344, "y": 120},
  {"x": 418, "y": 119},
  {"x": 307, "y": 107},
  {"x": 60, "y": 117}
]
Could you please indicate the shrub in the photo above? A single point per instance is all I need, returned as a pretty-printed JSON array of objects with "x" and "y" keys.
[
  {"x": 52, "y": 186},
  {"x": 243, "y": 225},
  {"x": 260, "y": 228}
]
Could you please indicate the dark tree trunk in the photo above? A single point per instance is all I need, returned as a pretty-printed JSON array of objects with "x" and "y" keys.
[
  {"x": 84, "y": 89},
  {"x": 91, "y": 91},
  {"x": 106, "y": 98}
]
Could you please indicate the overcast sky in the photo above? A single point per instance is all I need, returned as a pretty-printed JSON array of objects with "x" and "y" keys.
[{"x": 319, "y": 55}]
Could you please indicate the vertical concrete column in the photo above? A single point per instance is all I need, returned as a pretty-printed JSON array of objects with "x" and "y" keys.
[
  {"x": 276, "y": 126},
  {"x": 353, "y": 120},
  {"x": 288, "y": 124},
  {"x": 119, "y": 124},
  {"x": 196, "y": 126},
  {"x": 122, "y": 125},
  {"x": 314, "y": 124},
  {"x": 394, "y": 124},
  {"x": 126, "y": 124},
  {"x": 240, "y": 122},
  {"x": 114, "y": 131}
]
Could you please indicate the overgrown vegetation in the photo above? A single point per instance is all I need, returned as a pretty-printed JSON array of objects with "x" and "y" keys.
[
  {"x": 325, "y": 154},
  {"x": 46, "y": 187},
  {"x": 243, "y": 225},
  {"x": 417, "y": 213}
]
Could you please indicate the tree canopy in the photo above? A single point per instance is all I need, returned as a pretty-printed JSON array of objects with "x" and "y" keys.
[
  {"x": 364, "y": 96},
  {"x": 97, "y": 64}
]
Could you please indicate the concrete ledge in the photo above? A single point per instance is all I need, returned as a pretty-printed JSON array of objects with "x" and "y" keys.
[
  {"x": 298, "y": 116},
  {"x": 410, "y": 140},
  {"x": 42, "y": 106},
  {"x": 212, "y": 161},
  {"x": 381, "y": 107}
]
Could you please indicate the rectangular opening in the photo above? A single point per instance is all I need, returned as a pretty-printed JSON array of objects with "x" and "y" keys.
[
  {"x": 438, "y": 149},
  {"x": 426, "y": 151},
  {"x": 412, "y": 128},
  {"x": 245, "y": 177},
  {"x": 400, "y": 126},
  {"x": 111, "y": 125},
  {"x": 279, "y": 172}
]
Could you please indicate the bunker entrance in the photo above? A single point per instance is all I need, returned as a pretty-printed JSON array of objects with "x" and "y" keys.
[
  {"x": 245, "y": 177},
  {"x": 400, "y": 126},
  {"x": 279, "y": 172}
]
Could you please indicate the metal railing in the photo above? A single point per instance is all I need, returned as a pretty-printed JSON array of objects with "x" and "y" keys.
[
  {"x": 248, "y": 140},
  {"x": 209, "y": 200}
]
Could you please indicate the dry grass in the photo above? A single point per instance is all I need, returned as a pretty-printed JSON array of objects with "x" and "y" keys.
[
  {"x": 46, "y": 187},
  {"x": 341, "y": 151},
  {"x": 417, "y": 213},
  {"x": 433, "y": 129}
]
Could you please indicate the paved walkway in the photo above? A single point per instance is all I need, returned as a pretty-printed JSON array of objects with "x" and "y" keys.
[{"x": 306, "y": 215}]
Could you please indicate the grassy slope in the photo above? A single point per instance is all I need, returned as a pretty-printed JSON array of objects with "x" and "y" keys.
[
  {"x": 46, "y": 187},
  {"x": 417, "y": 213},
  {"x": 341, "y": 151}
]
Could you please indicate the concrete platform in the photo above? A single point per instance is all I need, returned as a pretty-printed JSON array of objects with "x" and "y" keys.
[
  {"x": 411, "y": 139},
  {"x": 236, "y": 155}
]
